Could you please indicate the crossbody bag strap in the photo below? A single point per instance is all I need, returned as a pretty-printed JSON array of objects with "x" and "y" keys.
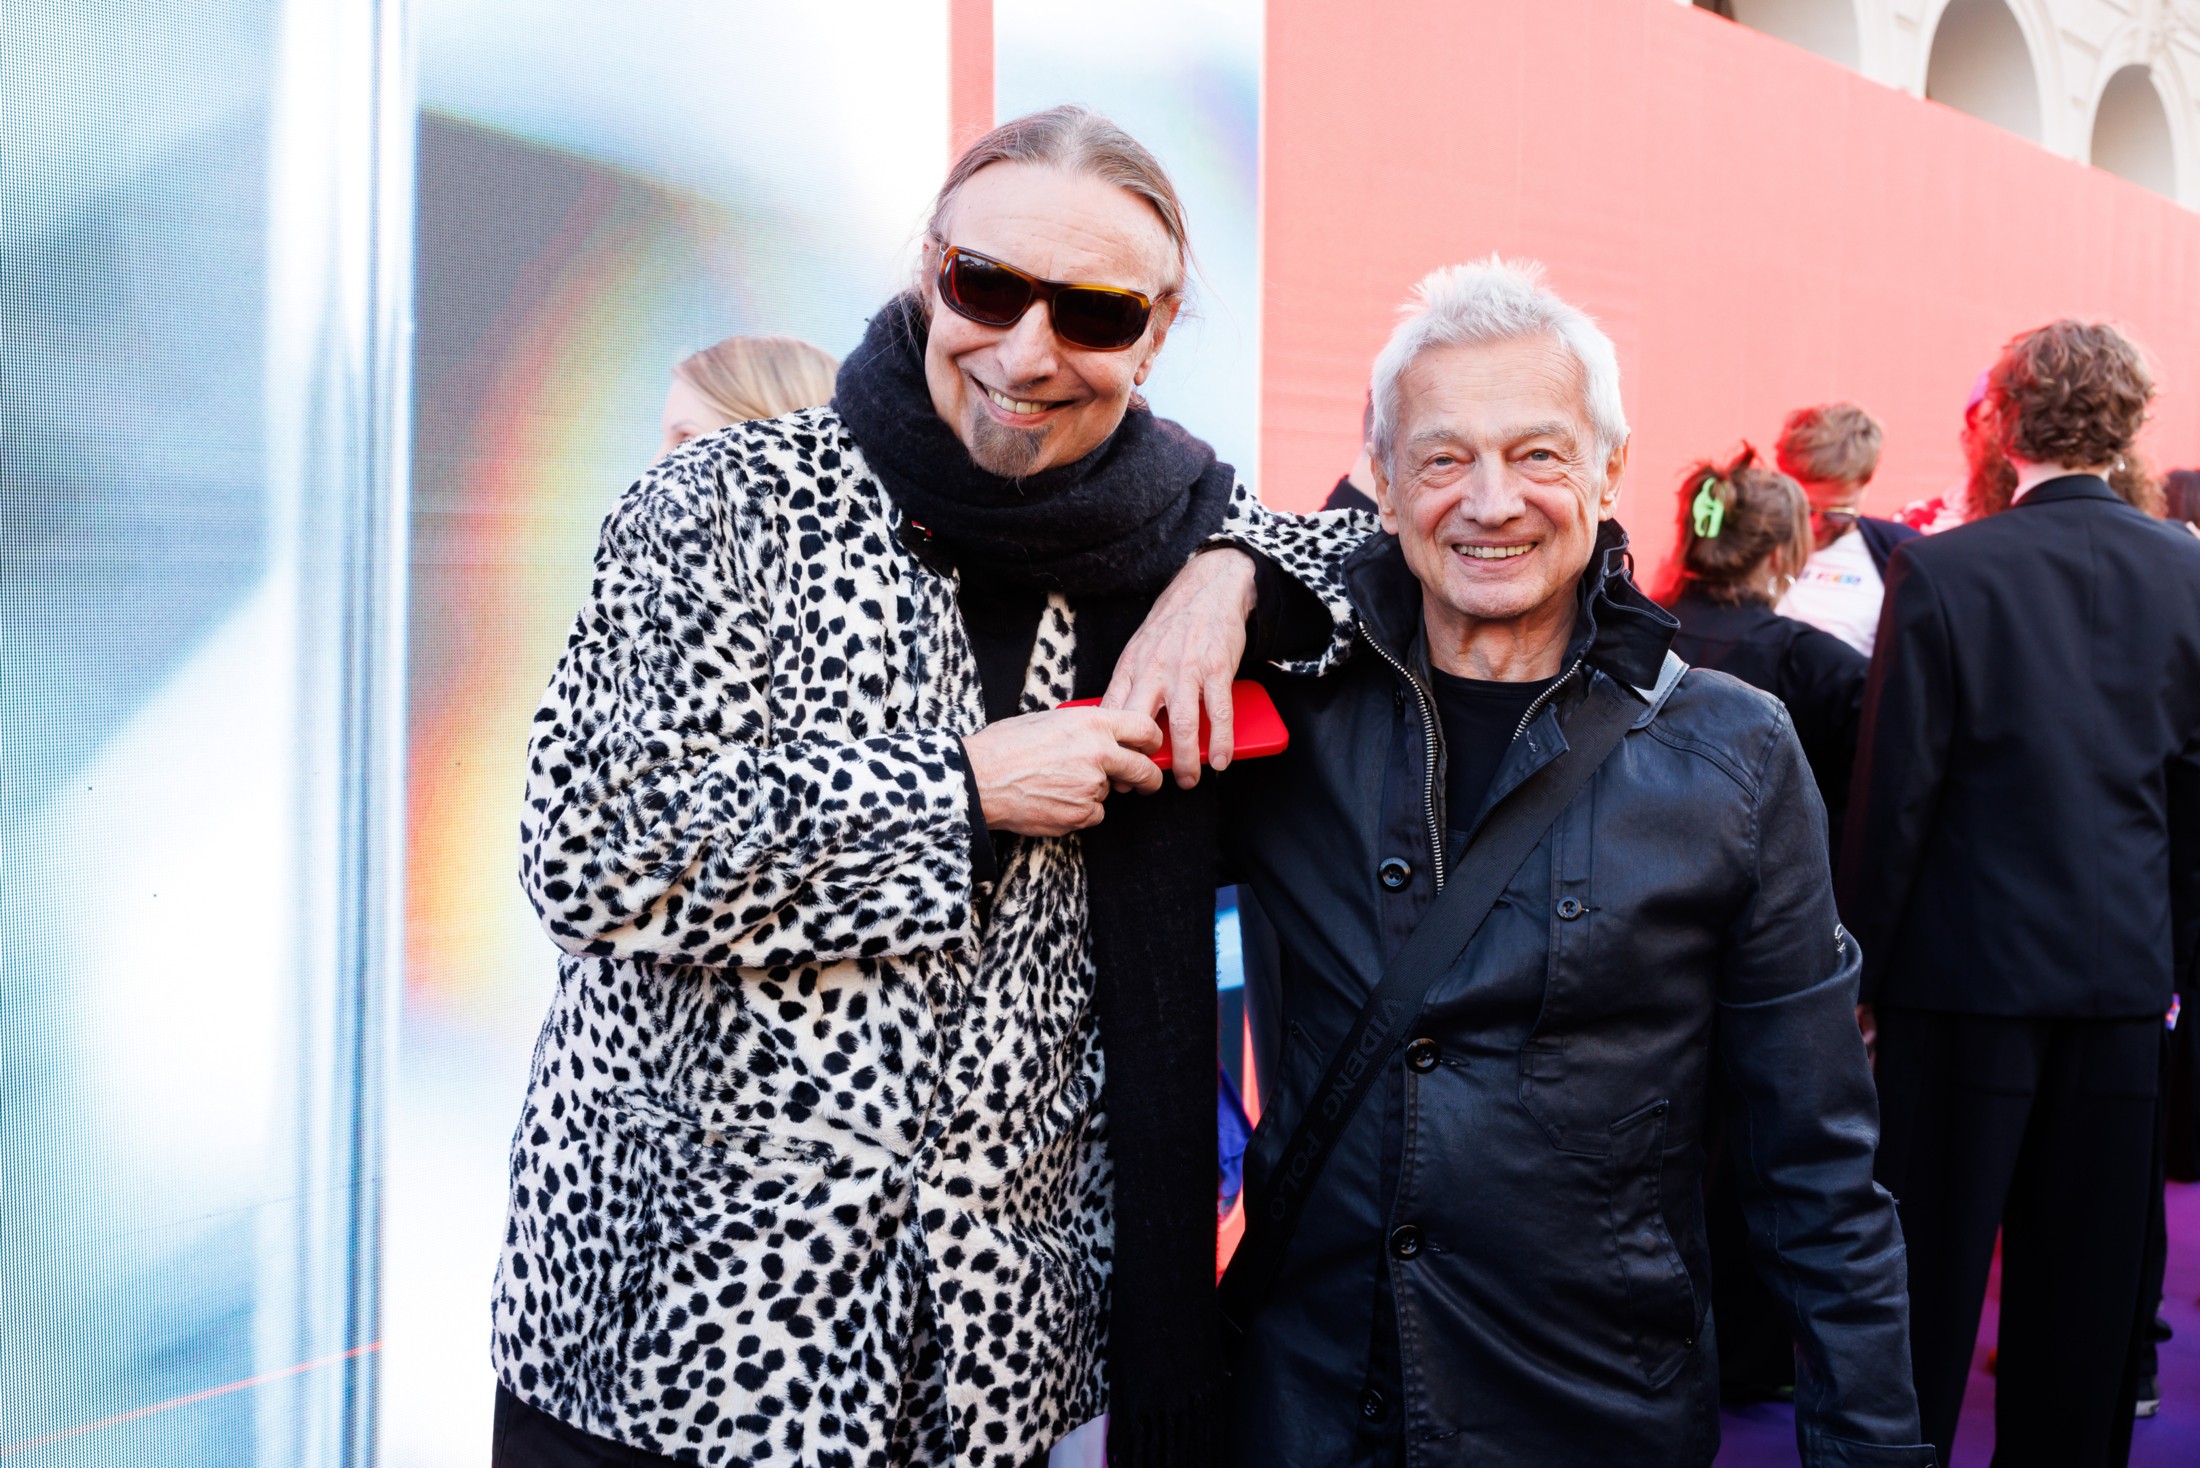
[{"x": 1506, "y": 838}]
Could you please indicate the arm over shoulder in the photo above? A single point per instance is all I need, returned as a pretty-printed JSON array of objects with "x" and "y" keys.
[{"x": 1310, "y": 551}]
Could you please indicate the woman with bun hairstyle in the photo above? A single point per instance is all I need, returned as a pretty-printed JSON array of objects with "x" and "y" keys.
[{"x": 1745, "y": 533}]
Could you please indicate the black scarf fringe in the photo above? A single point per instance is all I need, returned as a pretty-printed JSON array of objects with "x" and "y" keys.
[{"x": 1191, "y": 1430}]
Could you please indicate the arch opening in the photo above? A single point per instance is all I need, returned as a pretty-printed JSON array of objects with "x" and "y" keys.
[
  {"x": 2131, "y": 136},
  {"x": 1825, "y": 27},
  {"x": 1981, "y": 65}
]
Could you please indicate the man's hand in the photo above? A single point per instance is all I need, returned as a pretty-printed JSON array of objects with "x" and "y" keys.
[
  {"x": 1047, "y": 774},
  {"x": 1867, "y": 1024},
  {"x": 1186, "y": 653}
]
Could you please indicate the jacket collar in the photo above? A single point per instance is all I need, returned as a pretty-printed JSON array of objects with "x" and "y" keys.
[
  {"x": 2068, "y": 487},
  {"x": 1617, "y": 629}
]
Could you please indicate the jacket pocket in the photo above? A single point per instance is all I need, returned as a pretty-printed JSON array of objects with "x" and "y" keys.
[
  {"x": 701, "y": 1128},
  {"x": 688, "y": 1190},
  {"x": 709, "y": 1171},
  {"x": 1663, "y": 1314}
]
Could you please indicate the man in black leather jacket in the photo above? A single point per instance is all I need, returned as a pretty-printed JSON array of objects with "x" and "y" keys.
[{"x": 1503, "y": 1262}]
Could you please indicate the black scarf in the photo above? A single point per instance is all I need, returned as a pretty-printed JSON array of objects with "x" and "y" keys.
[
  {"x": 1118, "y": 522},
  {"x": 1108, "y": 531}
]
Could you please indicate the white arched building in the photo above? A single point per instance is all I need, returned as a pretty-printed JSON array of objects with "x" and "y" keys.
[{"x": 2114, "y": 83}]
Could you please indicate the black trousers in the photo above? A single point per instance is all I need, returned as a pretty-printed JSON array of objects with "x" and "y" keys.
[
  {"x": 2145, "y": 1358},
  {"x": 2042, "y": 1129},
  {"x": 525, "y": 1436}
]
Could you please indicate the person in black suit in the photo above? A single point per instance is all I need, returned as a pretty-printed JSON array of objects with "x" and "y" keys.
[
  {"x": 1745, "y": 533},
  {"x": 2018, "y": 870}
]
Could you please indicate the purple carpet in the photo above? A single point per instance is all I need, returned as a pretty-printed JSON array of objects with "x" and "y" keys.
[{"x": 1762, "y": 1437}]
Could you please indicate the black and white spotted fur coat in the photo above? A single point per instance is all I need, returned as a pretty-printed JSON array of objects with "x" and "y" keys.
[{"x": 812, "y": 1167}]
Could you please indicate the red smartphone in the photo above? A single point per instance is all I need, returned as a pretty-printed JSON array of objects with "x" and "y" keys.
[{"x": 1257, "y": 728}]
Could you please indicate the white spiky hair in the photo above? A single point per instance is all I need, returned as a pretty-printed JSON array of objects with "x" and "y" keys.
[{"x": 1495, "y": 300}]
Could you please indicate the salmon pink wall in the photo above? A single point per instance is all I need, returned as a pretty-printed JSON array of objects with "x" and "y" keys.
[
  {"x": 1757, "y": 229},
  {"x": 969, "y": 73}
]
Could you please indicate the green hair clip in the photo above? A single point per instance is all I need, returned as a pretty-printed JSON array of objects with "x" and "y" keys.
[{"x": 1709, "y": 509}]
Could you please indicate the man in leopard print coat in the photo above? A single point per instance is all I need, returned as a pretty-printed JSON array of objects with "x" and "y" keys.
[{"x": 813, "y": 1168}]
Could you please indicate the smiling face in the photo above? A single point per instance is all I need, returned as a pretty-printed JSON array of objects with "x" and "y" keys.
[
  {"x": 1494, "y": 490},
  {"x": 1019, "y": 397}
]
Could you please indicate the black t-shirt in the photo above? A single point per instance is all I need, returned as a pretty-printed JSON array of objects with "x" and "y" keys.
[{"x": 1478, "y": 718}]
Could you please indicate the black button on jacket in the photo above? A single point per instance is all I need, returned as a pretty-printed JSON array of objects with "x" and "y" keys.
[{"x": 1552, "y": 1306}]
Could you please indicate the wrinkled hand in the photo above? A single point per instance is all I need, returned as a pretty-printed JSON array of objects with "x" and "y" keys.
[
  {"x": 1186, "y": 653},
  {"x": 1047, "y": 774}
]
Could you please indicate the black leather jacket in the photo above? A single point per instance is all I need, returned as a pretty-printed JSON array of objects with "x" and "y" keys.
[{"x": 1670, "y": 947}]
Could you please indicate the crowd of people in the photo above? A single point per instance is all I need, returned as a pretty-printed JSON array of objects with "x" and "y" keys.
[
  {"x": 2003, "y": 776},
  {"x": 1667, "y": 996}
]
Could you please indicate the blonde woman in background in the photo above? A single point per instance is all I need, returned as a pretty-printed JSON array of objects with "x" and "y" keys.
[{"x": 741, "y": 378}]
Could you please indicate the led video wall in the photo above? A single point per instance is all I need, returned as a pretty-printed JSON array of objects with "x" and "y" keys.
[{"x": 200, "y": 707}]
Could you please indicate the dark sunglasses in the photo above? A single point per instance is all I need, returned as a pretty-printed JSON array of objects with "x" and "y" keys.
[{"x": 1102, "y": 318}]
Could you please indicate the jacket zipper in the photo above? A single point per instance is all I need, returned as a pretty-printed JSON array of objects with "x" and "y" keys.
[
  {"x": 1431, "y": 740},
  {"x": 1430, "y": 744},
  {"x": 1545, "y": 697}
]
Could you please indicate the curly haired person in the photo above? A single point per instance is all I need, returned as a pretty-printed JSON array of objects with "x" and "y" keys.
[{"x": 2018, "y": 869}]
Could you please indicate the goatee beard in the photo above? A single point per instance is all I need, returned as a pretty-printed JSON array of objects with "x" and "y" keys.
[{"x": 1010, "y": 453}]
